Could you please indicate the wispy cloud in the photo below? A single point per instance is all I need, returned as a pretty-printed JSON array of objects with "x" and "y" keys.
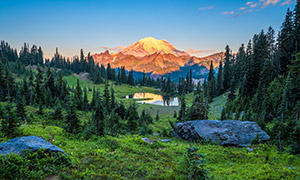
[
  {"x": 269, "y": 2},
  {"x": 118, "y": 48},
  {"x": 254, "y": 5},
  {"x": 241, "y": 13},
  {"x": 206, "y": 8},
  {"x": 257, "y": 5},
  {"x": 287, "y": 2},
  {"x": 231, "y": 12},
  {"x": 193, "y": 51}
]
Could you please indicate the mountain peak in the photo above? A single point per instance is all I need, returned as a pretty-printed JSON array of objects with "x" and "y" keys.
[{"x": 150, "y": 45}]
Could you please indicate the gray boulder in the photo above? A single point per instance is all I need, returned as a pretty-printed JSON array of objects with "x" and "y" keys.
[
  {"x": 32, "y": 143},
  {"x": 227, "y": 132}
]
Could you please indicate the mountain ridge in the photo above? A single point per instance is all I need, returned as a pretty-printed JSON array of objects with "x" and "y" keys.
[{"x": 156, "y": 56}]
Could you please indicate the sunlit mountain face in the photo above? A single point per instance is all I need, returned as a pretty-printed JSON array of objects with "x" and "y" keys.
[
  {"x": 150, "y": 45},
  {"x": 156, "y": 56}
]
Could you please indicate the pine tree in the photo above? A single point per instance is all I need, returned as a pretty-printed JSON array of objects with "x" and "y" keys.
[
  {"x": 108, "y": 72},
  {"x": 197, "y": 109},
  {"x": 211, "y": 86},
  {"x": 220, "y": 79},
  {"x": 98, "y": 118},
  {"x": 296, "y": 33},
  {"x": 157, "y": 116},
  {"x": 286, "y": 42},
  {"x": 112, "y": 99},
  {"x": 85, "y": 103},
  {"x": 106, "y": 97},
  {"x": 71, "y": 120},
  {"x": 57, "y": 113},
  {"x": 260, "y": 53},
  {"x": 123, "y": 75},
  {"x": 10, "y": 124},
  {"x": 132, "y": 117},
  {"x": 182, "y": 111},
  {"x": 227, "y": 69},
  {"x": 78, "y": 96},
  {"x": 21, "y": 112}
]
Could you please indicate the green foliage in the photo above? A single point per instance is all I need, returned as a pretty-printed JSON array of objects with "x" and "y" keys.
[
  {"x": 10, "y": 121},
  {"x": 196, "y": 164},
  {"x": 36, "y": 165}
]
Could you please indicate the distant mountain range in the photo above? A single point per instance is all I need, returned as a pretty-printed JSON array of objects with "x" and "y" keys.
[{"x": 158, "y": 58}]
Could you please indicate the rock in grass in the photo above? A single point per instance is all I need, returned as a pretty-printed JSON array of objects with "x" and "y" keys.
[
  {"x": 32, "y": 143},
  {"x": 147, "y": 140},
  {"x": 227, "y": 132},
  {"x": 165, "y": 140}
]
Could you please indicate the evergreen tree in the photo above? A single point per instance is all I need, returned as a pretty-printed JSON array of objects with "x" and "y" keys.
[
  {"x": 85, "y": 103},
  {"x": 211, "y": 86},
  {"x": 123, "y": 75},
  {"x": 260, "y": 53},
  {"x": 297, "y": 26},
  {"x": 227, "y": 69},
  {"x": 106, "y": 97},
  {"x": 157, "y": 116},
  {"x": 10, "y": 124},
  {"x": 182, "y": 111},
  {"x": 220, "y": 79},
  {"x": 21, "y": 112},
  {"x": 132, "y": 117},
  {"x": 57, "y": 113},
  {"x": 98, "y": 118},
  {"x": 71, "y": 120},
  {"x": 78, "y": 96},
  {"x": 197, "y": 109},
  {"x": 112, "y": 99},
  {"x": 286, "y": 42}
]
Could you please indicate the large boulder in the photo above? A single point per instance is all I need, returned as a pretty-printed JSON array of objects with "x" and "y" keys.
[
  {"x": 32, "y": 143},
  {"x": 227, "y": 132}
]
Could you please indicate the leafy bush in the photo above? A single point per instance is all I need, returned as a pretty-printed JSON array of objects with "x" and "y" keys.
[{"x": 32, "y": 165}]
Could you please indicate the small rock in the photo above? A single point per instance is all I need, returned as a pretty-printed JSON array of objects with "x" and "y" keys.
[
  {"x": 147, "y": 140},
  {"x": 165, "y": 140},
  {"x": 249, "y": 149}
]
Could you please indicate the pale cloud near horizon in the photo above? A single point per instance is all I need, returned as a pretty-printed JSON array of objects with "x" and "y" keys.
[
  {"x": 193, "y": 51},
  {"x": 206, "y": 8},
  {"x": 250, "y": 2},
  {"x": 118, "y": 48}
]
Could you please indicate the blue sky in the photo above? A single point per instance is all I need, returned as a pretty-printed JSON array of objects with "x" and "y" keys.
[{"x": 201, "y": 25}]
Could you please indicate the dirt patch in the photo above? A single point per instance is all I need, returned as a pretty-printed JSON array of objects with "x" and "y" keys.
[{"x": 83, "y": 76}]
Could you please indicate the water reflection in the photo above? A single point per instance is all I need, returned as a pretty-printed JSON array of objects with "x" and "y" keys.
[{"x": 155, "y": 99}]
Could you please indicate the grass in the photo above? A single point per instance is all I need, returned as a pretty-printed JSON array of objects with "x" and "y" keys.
[
  {"x": 121, "y": 91},
  {"x": 216, "y": 107},
  {"x": 129, "y": 157}
]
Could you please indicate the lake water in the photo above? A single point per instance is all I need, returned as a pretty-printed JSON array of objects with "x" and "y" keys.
[{"x": 156, "y": 99}]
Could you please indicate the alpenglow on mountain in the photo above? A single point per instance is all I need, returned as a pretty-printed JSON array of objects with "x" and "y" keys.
[
  {"x": 156, "y": 56},
  {"x": 150, "y": 45}
]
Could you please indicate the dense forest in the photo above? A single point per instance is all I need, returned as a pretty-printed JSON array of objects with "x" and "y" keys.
[{"x": 261, "y": 80}]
